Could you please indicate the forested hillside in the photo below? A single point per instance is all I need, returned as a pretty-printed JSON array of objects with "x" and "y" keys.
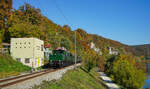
[
  {"x": 143, "y": 50},
  {"x": 28, "y": 21}
]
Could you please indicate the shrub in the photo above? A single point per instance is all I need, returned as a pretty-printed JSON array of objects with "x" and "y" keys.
[
  {"x": 10, "y": 67},
  {"x": 89, "y": 61},
  {"x": 126, "y": 74},
  {"x": 101, "y": 63}
]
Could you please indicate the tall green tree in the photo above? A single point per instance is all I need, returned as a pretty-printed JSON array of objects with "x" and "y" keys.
[
  {"x": 126, "y": 74},
  {"x": 5, "y": 14}
]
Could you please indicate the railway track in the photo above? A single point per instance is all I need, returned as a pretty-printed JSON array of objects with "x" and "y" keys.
[{"x": 21, "y": 78}]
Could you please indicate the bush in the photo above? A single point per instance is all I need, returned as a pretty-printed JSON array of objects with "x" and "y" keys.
[
  {"x": 10, "y": 67},
  {"x": 126, "y": 74},
  {"x": 75, "y": 79},
  {"x": 89, "y": 61},
  {"x": 101, "y": 63}
]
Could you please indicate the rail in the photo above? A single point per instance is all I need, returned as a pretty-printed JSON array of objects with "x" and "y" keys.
[{"x": 18, "y": 79}]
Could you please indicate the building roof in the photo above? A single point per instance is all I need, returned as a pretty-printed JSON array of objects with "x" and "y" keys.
[
  {"x": 26, "y": 38},
  {"x": 47, "y": 46},
  {"x": 61, "y": 48},
  {"x": 5, "y": 44}
]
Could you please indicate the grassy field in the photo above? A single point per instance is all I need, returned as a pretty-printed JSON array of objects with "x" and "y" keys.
[
  {"x": 75, "y": 79},
  {"x": 10, "y": 67}
]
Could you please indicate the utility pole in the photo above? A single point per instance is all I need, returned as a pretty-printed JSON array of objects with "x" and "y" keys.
[{"x": 75, "y": 50}]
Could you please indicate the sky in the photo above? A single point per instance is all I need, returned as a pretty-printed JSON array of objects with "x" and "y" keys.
[{"x": 126, "y": 21}]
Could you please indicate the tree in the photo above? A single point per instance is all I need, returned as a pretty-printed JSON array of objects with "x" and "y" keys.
[
  {"x": 101, "y": 63},
  {"x": 65, "y": 43},
  {"x": 5, "y": 13},
  {"x": 88, "y": 60},
  {"x": 126, "y": 74}
]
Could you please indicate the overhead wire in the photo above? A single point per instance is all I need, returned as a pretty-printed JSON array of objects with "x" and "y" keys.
[
  {"x": 45, "y": 13},
  {"x": 61, "y": 12}
]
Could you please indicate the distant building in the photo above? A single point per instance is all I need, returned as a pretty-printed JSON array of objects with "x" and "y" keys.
[
  {"x": 61, "y": 48},
  {"x": 29, "y": 51},
  {"x": 98, "y": 50},
  {"x": 92, "y": 45},
  {"x": 113, "y": 51},
  {"x": 5, "y": 48},
  {"x": 6, "y": 45},
  {"x": 47, "y": 51}
]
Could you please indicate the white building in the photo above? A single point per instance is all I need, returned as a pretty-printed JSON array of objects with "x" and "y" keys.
[
  {"x": 113, "y": 51},
  {"x": 92, "y": 46},
  {"x": 29, "y": 51},
  {"x": 47, "y": 51}
]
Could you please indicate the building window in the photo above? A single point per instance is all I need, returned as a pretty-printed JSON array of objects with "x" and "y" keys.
[
  {"x": 18, "y": 59},
  {"x": 27, "y": 60},
  {"x": 41, "y": 47},
  {"x": 38, "y": 47},
  {"x": 29, "y": 42}
]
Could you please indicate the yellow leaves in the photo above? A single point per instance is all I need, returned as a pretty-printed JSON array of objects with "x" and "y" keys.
[
  {"x": 125, "y": 73},
  {"x": 72, "y": 51},
  {"x": 106, "y": 51},
  {"x": 129, "y": 58}
]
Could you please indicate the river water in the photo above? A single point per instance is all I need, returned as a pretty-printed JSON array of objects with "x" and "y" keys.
[{"x": 147, "y": 82}]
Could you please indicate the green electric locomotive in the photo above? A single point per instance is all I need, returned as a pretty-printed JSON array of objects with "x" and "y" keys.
[{"x": 60, "y": 58}]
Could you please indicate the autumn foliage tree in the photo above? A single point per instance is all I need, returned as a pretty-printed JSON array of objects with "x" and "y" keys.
[
  {"x": 5, "y": 14},
  {"x": 88, "y": 60},
  {"x": 28, "y": 21},
  {"x": 125, "y": 73}
]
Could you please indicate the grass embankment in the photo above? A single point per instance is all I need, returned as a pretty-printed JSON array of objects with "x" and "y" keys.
[
  {"x": 10, "y": 67},
  {"x": 75, "y": 79}
]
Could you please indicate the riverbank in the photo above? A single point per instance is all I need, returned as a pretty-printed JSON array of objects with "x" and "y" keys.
[
  {"x": 75, "y": 79},
  {"x": 147, "y": 85},
  {"x": 147, "y": 81},
  {"x": 108, "y": 81}
]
